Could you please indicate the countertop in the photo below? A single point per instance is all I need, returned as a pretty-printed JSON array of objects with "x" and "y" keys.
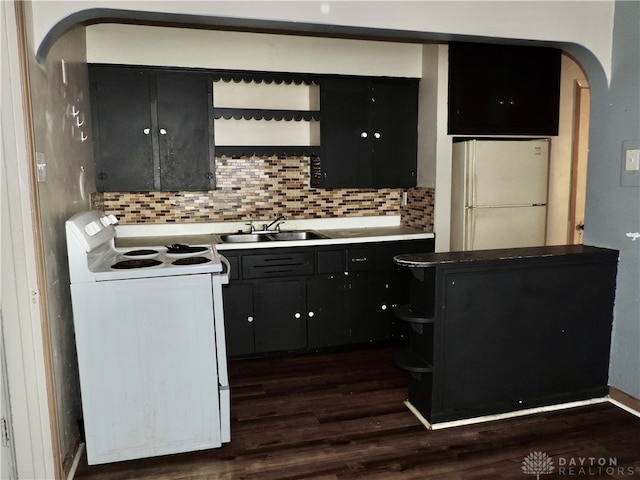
[
  {"x": 424, "y": 260},
  {"x": 336, "y": 231}
]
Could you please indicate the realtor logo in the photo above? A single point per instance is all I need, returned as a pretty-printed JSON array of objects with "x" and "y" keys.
[{"x": 537, "y": 463}]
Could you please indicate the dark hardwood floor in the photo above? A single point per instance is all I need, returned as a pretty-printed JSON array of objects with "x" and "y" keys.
[{"x": 341, "y": 416}]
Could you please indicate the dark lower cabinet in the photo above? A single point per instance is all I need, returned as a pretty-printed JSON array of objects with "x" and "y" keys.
[
  {"x": 347, "y": 309},
  {"x": 511, "y": 329},
  {"x": 280, "y": 323},
  {"x": 302, "y": 298},
  {"x": 239, "y": 318},
  {"x": 330, "y": 322},
  {"x": 369, "y": 293}
]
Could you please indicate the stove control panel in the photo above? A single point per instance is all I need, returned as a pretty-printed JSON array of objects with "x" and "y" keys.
[{"x": 90, "y": 229}]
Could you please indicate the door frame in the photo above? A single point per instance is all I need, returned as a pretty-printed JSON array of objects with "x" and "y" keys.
[{"x": 579, "y": 160}]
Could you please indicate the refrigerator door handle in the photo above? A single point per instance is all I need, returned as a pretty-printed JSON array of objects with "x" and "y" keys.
[
  {"x": 472, "y": 181},
  {"x": 471, "y": 229}
]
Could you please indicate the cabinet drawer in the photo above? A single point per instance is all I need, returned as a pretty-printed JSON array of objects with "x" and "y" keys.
[
  {"x": 359, "y": 260},
  {"x": 330, "y": 261},
  {"x": 277, "y": 265}
]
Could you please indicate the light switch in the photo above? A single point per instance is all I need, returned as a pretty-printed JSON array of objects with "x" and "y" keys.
[
  {"x": 632, "y": 160},
  {"x": 41, "y": 167},
  {"x": 630, "y": 171}
]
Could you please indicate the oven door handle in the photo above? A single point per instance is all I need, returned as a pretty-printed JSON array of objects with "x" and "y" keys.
[{"x": 226, "y": 271}]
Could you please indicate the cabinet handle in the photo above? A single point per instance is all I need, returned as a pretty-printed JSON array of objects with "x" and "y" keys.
[
  {"x": 163, "y": 131},
  {"x": 358, "y": 259},
  {"x": 364, "y": 135},
  {"x": 250, "y": 319},
  {"x": 146, "y": 131},
  {"x": 297, "y": 315},
  {"x": 311, "y": 314},
  {"x": 377, "y": 135}
]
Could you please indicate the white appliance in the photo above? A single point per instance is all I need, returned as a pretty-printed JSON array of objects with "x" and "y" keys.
[
  {"x": 499, "y": 193},
  {"x": 150, "y": 339}
]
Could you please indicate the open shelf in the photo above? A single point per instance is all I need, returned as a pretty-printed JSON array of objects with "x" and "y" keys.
[
  {"x": 407, "y": 360},
  {"x": 406, "y": 313}
]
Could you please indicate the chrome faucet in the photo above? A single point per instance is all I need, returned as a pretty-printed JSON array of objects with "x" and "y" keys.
[{"x": 276, "y": 222}]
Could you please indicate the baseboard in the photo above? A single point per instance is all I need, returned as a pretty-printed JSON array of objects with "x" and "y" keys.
[
  {"x": 501, "y": 416},
  {"x": 72, "y": 465},
  {"x": 624, "y": 400}
]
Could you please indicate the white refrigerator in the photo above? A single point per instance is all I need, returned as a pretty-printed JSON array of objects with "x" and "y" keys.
[{"x": 499, "y": 193}]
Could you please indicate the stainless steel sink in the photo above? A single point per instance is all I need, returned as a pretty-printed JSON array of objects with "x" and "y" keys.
[
  {"x": 303, "y": 235},
  {"x": 245, "y": 237},
  {"x": 272, "y": 236}
]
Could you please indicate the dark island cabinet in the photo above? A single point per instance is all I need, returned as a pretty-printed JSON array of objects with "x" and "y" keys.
[
  {"x": 503, "y": 89},
  {"x": 369, "y": 133},
  {"x": 152, "y": 129},
  {"x": 307, "y": 298},
  {"x": 498, "y": 331}
]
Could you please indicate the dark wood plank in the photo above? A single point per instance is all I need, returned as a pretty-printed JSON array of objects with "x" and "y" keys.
[{"x": 339, "y": 416}]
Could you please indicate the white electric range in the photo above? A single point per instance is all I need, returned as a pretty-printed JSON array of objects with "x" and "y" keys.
[{"x": 149, "y": 327}]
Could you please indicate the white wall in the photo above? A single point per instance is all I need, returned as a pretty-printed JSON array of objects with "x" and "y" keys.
[{"x": 585, "y": 23}]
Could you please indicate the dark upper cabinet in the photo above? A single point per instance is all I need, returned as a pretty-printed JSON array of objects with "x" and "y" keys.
[
  {"x": 368, "y": 133},
  {"x": 503, "y": 89},
  {"x": 152, "y": 129}
]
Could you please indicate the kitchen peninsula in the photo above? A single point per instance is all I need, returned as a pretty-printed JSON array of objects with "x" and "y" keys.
[{"x": 498, "y": 331}]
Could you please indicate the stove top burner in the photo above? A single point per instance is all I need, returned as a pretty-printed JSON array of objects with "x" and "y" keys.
[
  {"x": 191, "y": 261},
  {"x": 181, "y": 249},
  {"x": 136, "y": 263},
  {"x": 140, "y": 253}
]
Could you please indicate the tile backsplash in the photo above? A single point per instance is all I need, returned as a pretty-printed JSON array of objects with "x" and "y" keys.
[{"x": 250, "y": 188}]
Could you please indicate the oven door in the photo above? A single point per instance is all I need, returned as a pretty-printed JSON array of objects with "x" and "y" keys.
[{"x": 148, "y": 367}]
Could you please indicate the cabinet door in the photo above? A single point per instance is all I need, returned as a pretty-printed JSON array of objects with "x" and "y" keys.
[
  {"x": 123, "y": 129},
  {"x": 503, "y": 89},
  {"x": 239, "y": 318},
  {"x": 330, "y": 321},
  {"x": 370, "y": 309},
  {"x": 183, "y": 131},
  {"x": 280, "y": 322},
  {"x": 395, "y": 134},
  {"x": 345, "y": 141}
]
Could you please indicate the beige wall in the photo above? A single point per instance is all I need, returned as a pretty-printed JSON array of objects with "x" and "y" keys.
[
  {"x": 561, "y": 156},
  {"x": 180, "y": 47},
  {"x": 64, "y": 190}
]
